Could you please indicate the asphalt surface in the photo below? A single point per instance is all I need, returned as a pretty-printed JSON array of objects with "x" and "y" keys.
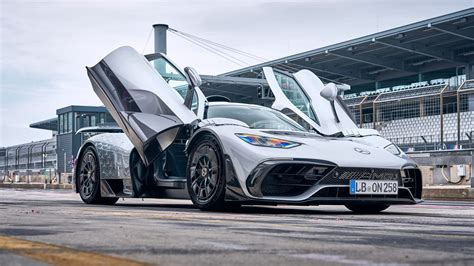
[{"x": 54, "y": 227}]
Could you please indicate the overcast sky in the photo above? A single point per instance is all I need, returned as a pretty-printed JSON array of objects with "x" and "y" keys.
[{"x": 45, "y": 45}]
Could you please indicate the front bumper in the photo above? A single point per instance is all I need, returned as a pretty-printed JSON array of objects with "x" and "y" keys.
[{"x": 314, "y": 182}]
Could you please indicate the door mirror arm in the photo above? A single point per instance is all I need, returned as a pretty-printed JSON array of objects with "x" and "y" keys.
[
  {"x": 194, "y": 80},
  {"x": 188, "y": 101},
  {"x": 333, "y": 107},
  {"x": 329, "y": 93}
]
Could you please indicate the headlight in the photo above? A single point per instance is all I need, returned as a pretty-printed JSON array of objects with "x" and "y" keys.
[
  {"x": 267, "y": 142},
  {"x": 393, "y": 149}
]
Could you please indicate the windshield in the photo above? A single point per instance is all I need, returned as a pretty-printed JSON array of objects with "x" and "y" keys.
[{"x": 254, "y": 116}]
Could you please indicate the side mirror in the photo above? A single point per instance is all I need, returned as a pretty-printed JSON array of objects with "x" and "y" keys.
[
  {"x": 192, "y": 77},
  {"x": 329, "y": 92}
]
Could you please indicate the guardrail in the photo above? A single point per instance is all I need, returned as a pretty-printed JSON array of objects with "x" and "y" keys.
[
  {"x": 42, "y": 176},
  {"x": 433, "y": 142}
]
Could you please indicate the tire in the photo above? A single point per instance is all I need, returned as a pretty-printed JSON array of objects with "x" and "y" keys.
[
  {"x": 369, "y": 208},
  {"x": 89, "y": 179},
  {"x": 205, "y": 174}
]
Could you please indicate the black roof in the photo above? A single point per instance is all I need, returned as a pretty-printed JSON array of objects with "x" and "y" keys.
[
  {"x": 48, "y": 124},
  {"x": 81, "y": 108}
]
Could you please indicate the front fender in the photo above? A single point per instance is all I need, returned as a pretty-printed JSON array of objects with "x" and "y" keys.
[{"x": 198, "y": 133}]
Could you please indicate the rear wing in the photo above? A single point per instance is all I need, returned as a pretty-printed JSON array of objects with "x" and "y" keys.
[{"x": 107, "y": 129}]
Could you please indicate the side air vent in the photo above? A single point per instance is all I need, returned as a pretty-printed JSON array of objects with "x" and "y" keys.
[
  {"x": 285, "y": 179},
  {"x": 411, "y": 178}
]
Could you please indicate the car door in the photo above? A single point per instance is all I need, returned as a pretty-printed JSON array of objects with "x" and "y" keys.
[
  {"x": 176, "y": 79},
  {"x": 299, "y": 95},
  {"x": 141, "y": 100},
  {"x": 313, "y": 87},
  {"x": 291, "y": 99}
]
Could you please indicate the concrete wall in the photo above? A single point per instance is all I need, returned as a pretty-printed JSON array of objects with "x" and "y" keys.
[
  {"x": 433, "y": 175},
  {"x": 434, "y": 164}
]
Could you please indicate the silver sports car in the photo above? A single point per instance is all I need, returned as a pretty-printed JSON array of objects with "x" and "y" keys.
[{"x": 174, "y": 143}]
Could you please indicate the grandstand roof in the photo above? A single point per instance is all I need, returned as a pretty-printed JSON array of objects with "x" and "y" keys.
[
  {"x": 52, "y": 123},
  {"x": 438, "y": 43},
  {"x": 81, "y": 108},
  {"x": 48, "y": 124}
]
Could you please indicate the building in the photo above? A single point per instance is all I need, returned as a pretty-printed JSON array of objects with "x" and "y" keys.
[
  {"x": 53, "y": 155},
  {"x": 70, "y": 120}
]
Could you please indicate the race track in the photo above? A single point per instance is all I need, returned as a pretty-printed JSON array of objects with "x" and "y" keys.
[{"x": 54, "y": 227}]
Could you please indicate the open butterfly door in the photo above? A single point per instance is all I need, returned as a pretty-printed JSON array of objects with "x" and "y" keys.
[
  {"x": 143, "y": 102},
  {"x": 298, "y": 95}
]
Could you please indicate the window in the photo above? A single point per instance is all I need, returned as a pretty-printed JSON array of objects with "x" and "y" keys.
[
  {"x": 61, "y": 124},
  {"x": 171, "y": 75},
  {"x": 295, "y": 94},
  {"x": 70, "y": 122},
  {"x": 78, "y": 121},
  {"x": 109, "y": 118},
  {"x": 85, "y": 120},
  {"x": 102, "y": 118},
  {"x": 93, "y": 121},
  {"x": 66, "y": 123}
]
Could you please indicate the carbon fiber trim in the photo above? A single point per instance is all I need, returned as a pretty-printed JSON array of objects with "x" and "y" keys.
[{"x": 286, "y": 178}]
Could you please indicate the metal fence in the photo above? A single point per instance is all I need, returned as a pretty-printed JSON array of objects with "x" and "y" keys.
[
  {"x": 31, "y": 163},
  {"x": 435, "y": 117},
  {"x": 465, "y": 112}
]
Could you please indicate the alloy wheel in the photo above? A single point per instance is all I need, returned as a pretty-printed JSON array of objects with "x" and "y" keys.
[
  {"x": 204, "y": 172},
  {"x": 88, "y": 174}
]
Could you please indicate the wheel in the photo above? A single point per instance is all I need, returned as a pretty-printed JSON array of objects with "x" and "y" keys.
[
  {"x": 205, "y": 174},
  {"x": 89, "y": 179},
  {"x": 369, "y": 208}
]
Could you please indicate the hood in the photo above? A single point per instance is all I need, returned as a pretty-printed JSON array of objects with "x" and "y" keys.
[
  {"x": 348, "y": 152},
  {"x": 343, "y": 152}
]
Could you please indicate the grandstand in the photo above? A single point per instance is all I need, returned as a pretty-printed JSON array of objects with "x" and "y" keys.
[{"x": 415, "y": 83}]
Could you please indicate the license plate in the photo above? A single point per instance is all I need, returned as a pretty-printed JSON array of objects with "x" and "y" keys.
[{"x": 373, "y": 187}]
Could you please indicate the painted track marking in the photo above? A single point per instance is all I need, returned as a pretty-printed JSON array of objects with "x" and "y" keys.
[{"x": 60, "y": 255}]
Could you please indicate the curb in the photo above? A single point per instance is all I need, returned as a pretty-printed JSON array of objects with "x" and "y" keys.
[
  {"x": 448, "y": 193},
  {"x": 35, "y": 186}
]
